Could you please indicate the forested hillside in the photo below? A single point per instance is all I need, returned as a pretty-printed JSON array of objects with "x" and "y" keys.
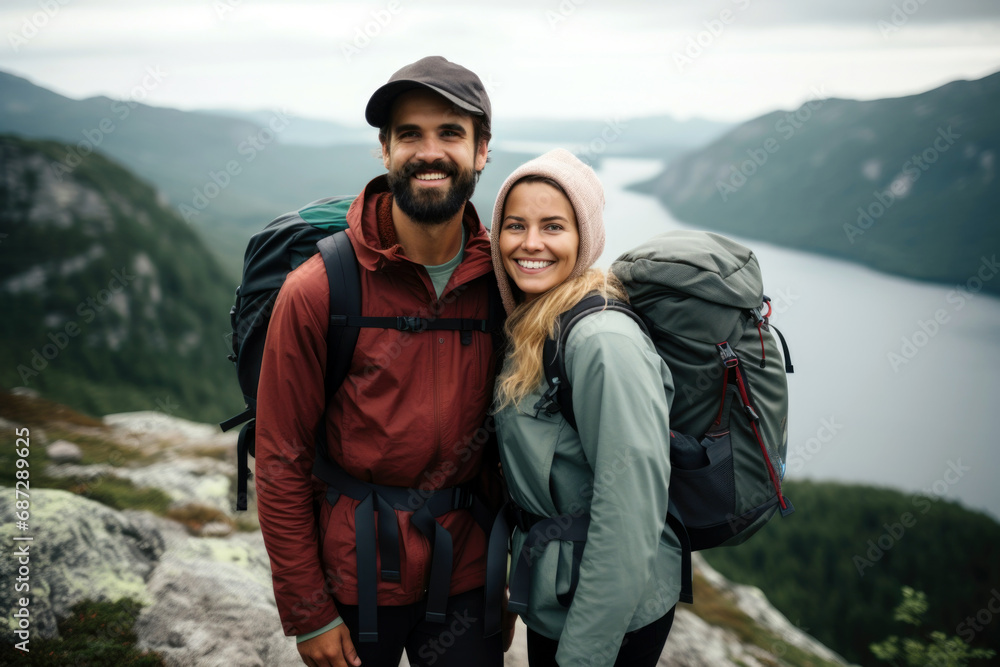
[
  {"x": 112, "y": 302},
  {"x": 836, "y": 566}
]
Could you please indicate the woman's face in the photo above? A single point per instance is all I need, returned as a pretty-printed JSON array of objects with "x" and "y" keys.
[{"x": 539, "y": 238}]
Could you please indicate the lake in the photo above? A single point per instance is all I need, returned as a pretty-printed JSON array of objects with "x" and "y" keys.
[{"x": 893, "y": 378}]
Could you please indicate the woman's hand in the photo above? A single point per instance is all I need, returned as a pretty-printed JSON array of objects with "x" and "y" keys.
[{"x": 333, "y": 648}]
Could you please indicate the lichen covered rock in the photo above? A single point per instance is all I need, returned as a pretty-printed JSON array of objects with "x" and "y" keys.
[{"x": 81, "y": 550}]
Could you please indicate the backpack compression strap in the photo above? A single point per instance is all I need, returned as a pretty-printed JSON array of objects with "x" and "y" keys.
[
  {"x": 345, "y": 310},
  {"x": 731, "y": 362}
]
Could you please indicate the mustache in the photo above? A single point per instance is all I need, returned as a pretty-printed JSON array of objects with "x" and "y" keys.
[{"x": 444, "y": 166}]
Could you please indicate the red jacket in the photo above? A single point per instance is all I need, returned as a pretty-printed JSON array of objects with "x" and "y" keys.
[{"x": 410, "y": 414}]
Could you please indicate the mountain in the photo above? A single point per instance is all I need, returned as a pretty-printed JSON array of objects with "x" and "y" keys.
[
  {"x": 228, "y": 173},
  {"x": 226, "y": 176},
  {"x": 304, "y": 131},
  {"x": 132, "y": 513},
  {"x": 905, "y": 185},
  {"x": 113, "y": 302},
  {"x": 647, "y": 135}
]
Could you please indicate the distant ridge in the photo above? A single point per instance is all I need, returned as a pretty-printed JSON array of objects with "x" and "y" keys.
[{"x": 906, "y": 185}]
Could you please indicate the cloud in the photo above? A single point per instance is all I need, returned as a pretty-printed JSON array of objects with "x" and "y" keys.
[{"x": 556, "y": 58}]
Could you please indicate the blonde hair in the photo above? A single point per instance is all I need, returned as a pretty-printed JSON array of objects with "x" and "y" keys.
[{"x": 532, "y": 322}]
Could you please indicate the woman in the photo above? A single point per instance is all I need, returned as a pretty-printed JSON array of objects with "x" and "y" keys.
[{"x": 608, "y": 600}]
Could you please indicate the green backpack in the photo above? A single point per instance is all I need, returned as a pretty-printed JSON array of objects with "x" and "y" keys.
[{"x": 699, "y": 296}]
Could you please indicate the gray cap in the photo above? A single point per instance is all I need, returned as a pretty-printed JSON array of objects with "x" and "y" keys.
[{"x": 455, "y": 83}]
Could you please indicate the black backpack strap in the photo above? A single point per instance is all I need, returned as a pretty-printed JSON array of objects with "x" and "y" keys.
[
  {"x": 426, "y": 507},
  {"x": 345, "y": 309},
  {"x": 784, "y": 349},
  {"x": 676, "y": 523},
  {"x": 343, "y": 329},
  {"x": 540, "y": 530},
  {"x": 403, "y": 323},
  {"x": 764, "y": 320},
  {"x": 244, "y": 449},
  {"x": 559, "y": 396},
  {"x": 345, "y": 301}
]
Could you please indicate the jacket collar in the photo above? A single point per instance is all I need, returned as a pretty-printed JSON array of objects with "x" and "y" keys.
[{"x": 362, "y": 220}]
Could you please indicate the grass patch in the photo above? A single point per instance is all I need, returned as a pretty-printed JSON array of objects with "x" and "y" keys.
[
  {"x": 116, "y": 493},
  {"x": 247, "y": 522},
  {"x": 32, "y": 411},
  {"x": 96, "y": 449},
  {"x": 223, "y": 453},
  {"x": 713, "y": 607},
  {"x": 122, "y": 494},
  {"x": 112, "y": 491},
  {"x": 36, "y": 458},
  {"x": 716, "y": 609},
  {"x": 95, "y": 634},
  {"x": 196, "y": 516}
]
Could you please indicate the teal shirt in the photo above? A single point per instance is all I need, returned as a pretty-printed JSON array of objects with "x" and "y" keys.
[
  {"x": 316, "y": 633},
  {"x": 617, "y": 468},
  {"x": 441, "y": 273}
]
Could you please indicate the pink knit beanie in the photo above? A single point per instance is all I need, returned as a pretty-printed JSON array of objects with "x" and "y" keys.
[{"x": 586, "y": 194}]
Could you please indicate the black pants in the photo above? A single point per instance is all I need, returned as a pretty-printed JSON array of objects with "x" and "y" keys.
[
  {"x": 458, "y": 642},
  {"x": 640, "y": 648}
]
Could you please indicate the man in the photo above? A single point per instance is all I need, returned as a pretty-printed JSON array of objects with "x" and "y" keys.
[{"x": 404, "y": 434}]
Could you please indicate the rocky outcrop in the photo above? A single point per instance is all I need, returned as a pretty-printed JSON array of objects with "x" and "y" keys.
[
  {"x": 62, "y": 451},
  {"x": 696, "y": 643},
  {"x": 80, "y": 550},
  {"x": 213, "y": 605},
  {"x": 752, "y": 602}
]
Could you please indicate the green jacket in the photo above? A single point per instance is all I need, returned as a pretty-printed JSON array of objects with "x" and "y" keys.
[{"x": 618, "y": 469}]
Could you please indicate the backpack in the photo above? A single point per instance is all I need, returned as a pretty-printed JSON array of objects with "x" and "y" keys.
[
  {"x": 284, "y": 244},
  {"x": 699, "y": 297}
]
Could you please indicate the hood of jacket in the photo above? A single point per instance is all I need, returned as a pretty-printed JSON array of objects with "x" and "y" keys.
[{"x": 362, "y": 221}]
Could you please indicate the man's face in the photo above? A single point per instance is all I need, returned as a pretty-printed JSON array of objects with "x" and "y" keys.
[{"x": 431, "y": 157}]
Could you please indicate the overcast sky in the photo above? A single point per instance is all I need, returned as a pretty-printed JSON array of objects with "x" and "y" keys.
[{"x": 721, "y": 59}]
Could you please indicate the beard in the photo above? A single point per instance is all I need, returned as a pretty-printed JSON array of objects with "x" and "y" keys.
[{"x": 431, "y": 206}]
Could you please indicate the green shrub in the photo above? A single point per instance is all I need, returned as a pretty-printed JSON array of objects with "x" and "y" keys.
[
  {"x": 95, "y": 634},
  {"x": 942, "y": 651}
]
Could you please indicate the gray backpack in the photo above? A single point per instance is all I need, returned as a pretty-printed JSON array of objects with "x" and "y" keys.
[{"x": 699, "y": 296}]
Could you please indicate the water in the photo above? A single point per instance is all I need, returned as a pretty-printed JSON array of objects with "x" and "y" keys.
[{"x": 921, "y": 421}]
